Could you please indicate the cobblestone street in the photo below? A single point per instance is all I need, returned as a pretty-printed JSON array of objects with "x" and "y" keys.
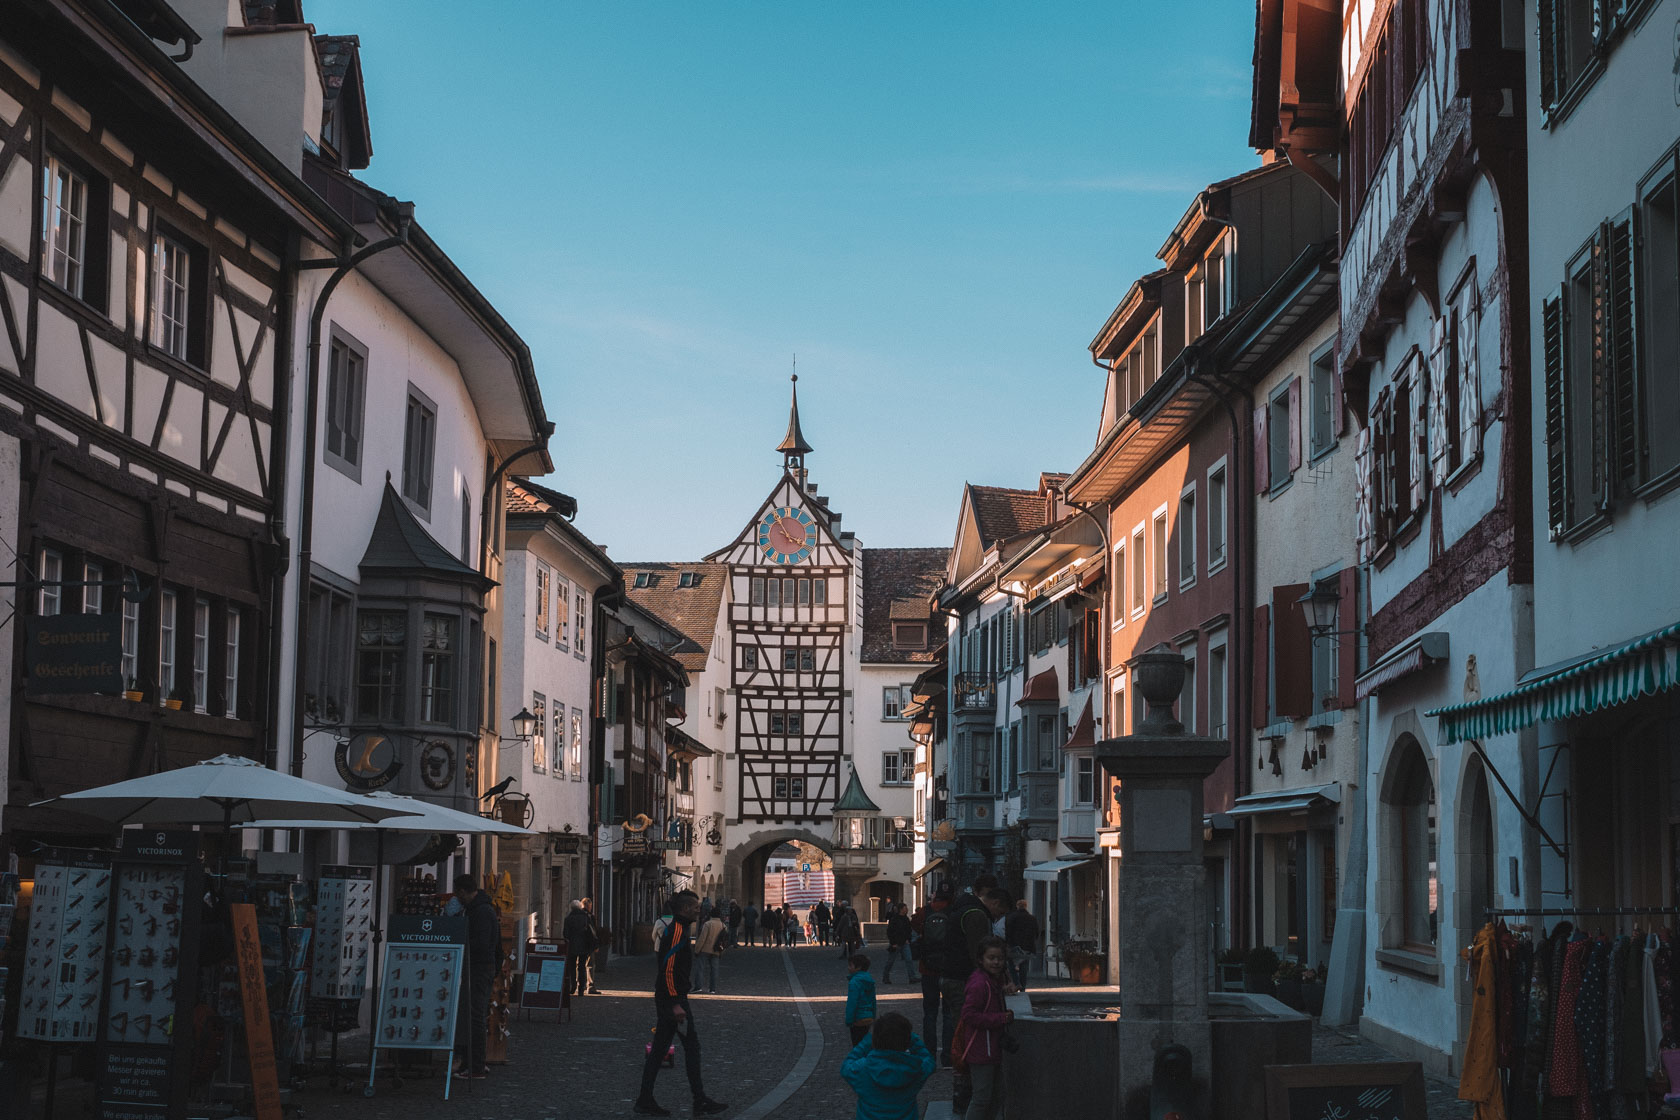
[{"x": 768, "y": 1051}]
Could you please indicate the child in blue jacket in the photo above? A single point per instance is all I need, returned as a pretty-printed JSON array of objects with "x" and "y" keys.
[
  {"x": 888, "y": 1069},
  {"x": 860, "y": 998}
]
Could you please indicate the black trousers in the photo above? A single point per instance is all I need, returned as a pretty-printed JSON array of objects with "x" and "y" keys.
[
  {"x": 577, "y": 972},
  {"x": 472, "y": 1022},
  {"x": 663, "y": 1033}
]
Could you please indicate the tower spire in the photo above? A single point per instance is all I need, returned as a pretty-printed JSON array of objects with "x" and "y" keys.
[{"x": 793, "y": 446}]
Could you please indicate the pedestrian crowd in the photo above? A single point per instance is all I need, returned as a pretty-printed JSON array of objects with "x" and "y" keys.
[{"x": 968, "y": 951}]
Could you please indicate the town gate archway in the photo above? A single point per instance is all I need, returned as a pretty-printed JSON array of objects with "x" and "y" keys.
[{"x": 743, "y": 865}]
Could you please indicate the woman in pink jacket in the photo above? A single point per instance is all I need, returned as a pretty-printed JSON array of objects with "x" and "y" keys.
[{"x": 980, "y": 1041}]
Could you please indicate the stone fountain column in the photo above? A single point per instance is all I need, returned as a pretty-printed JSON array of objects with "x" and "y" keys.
[{"x": 1162, "y": 900}]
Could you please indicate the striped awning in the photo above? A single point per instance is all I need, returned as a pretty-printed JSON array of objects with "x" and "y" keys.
[
  {"x": 1408, "y": 657},
  {"x": 1580, "y": 686}
]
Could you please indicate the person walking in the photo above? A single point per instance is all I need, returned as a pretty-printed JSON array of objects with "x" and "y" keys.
[
  {"x": 979, "y": 1046},
  {"x": 848, "y": 931},
  {"x": 898, "y": 943},
  {"x": 1020, "y": 934},
  {"x": 579, "y": 933},
  {"x": 772, "y": 925},
  {"x": 820, "y": 918},
  {"x": 708, "y": 953},
  {"x": 674, "y": 956},
  {"x": 484, "y": 951},
  {"x": 928, "y": 972},
  {"x": 860, "y": 998},
  {"x": 594, "y": 957},
  {"x": 887, "y": 1070},
  {"x": 749, "y": 922},
  {"x": 734, "y": 920},
  {"x": 952, "y": 944}
]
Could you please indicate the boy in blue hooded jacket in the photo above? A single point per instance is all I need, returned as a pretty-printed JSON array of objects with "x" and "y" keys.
[
  {"x": 860, "y": 998},
  {"x": 887, "y": 1069}
]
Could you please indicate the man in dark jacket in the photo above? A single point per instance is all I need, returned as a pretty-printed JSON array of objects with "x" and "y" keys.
[
  {"x": 674, "y": 957},
  {"x": 1020, "y": 933},
  {"x": 484, "y": 952},
  {"x": 821, "y": 917},
  {"x": 956, "y": 955},
  {"x": 579, "y": 933},
  {"x": 898, "y": 943}
]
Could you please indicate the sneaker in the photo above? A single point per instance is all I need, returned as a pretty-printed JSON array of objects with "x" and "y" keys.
[
  {"x": 479, "y": 1074},
  {"x": 647, "y": 1106},
  {"x": 706, "y": 1106}
]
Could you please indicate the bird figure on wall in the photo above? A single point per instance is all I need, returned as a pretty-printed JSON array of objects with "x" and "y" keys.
[{"x": 499, "y": 788}]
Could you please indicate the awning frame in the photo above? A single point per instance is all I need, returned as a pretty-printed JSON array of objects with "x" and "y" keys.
[
  {"x": 1048, "y": 871},
  {"x": 1412, "y": 655}
]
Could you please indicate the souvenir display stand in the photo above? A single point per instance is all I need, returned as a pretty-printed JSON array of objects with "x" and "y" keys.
[
  {"x": 419, "y": 989},
  {"x": 544, "y": 983},
  {"x": 145, "y": 1030}
]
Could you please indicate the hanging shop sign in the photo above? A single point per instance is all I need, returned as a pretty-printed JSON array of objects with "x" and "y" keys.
[
  {"x": 73, "y": 653},
  {"x": 437, "y": 765},
  {"x": 145, "y": 1032},
  {"x": 64, "y": 958},
  {"x": 368, "y": 760}
]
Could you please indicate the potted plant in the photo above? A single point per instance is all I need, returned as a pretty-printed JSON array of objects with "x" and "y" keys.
[
  {"x": 173, "y": 702},
  {"x": 1085, "y": 963},
  {"x": 1230, "y": 969},
  {"x": 1258, "y": 965},
  {"x": 134, "y": 692},
  {"x": 1312, "y": 990},
  {"x": 1287, "y": 978}
]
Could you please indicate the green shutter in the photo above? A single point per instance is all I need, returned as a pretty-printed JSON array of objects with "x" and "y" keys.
[
  {"x": 1557, "y": 481},
  {"x": 1622, "y": 350}
]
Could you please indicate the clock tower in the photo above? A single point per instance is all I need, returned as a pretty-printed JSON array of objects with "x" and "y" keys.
[{"x": 790, "y": 604}]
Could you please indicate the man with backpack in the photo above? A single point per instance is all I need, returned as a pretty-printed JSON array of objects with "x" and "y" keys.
[{"x": 951, "y": 945}]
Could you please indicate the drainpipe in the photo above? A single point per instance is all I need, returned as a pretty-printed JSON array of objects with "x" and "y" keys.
[
  {"x": 341, "y": 267},
  {"x": 607, "y": 595},
  {"x": 281, "y": 437}
]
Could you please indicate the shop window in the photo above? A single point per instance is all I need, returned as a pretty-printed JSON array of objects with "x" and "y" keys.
[{"x": 1411, "y": 852}]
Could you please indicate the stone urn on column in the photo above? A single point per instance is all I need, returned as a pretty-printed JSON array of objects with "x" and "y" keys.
[{"x": 1162, "y": 902}]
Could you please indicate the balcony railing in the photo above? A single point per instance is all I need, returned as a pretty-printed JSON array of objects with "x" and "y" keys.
[
  {"x": 1079, "y": 824},
  {"x": 975, "y": 692}
]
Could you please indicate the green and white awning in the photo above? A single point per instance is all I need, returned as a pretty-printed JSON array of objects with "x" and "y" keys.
[{"x": 1645, "y": 666}]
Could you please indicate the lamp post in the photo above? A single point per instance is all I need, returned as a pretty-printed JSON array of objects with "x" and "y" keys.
[{"x": 524, "y": 726}]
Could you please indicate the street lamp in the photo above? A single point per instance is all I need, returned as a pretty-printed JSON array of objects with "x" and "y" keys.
[
  {"x": 1321, "y": 605},
  {"x": 524, "y": 726}
]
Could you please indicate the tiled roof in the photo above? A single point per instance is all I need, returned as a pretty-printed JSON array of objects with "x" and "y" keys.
[
  {"x": 1002, "y": 512},
  {"x": 1040, "y": 687},
  {"x": 336, "y": 52},
  {"x": 690, "y": 610},
  {"x": 899, "y": 583},
  {"x": 525, "y": 496}
]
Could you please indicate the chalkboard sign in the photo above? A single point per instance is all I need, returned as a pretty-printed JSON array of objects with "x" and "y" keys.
[{"x": 1351, "y": 1091}]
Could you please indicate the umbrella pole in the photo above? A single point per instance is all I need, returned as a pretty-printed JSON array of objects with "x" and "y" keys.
[{"x": 378, "y": 937}]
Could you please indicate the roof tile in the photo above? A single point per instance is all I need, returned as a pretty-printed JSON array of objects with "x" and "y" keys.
[
  {"x": 899, "y": 583},
  {"x": 687, "y": 605}
]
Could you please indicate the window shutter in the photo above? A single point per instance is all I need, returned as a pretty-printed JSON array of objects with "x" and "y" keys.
[
  {"x": 1364, "y": 501},
  {"x": 1093, "y": 644},
  {"x": 1601, "y": 371},
  {"x": 1338, "y": 409},
  {"x": 1440, "y": 440},
  {"x": 1622, "y": 349},
  {"x": 1073, "y": 636},
  {"x": 1262, "y": 453},
  {"x": 1295, "y": 425},
  {"x": 1262, "y": 658},
  {"x": 1419, "y": 450},
  {"x": 1557, "y": 420},
  {"x": 1347, "y": 643},
  {"x": 1470, "y": 380},
  {"x": 1548, "y": 52},
  {"x": 1292, "y": 652}
]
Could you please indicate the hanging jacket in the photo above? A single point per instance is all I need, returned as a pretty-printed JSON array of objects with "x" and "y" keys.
[
  {"x": 860, "y": 998},
  {"x": 1480, "y": 1081},
  {"x": 983, "y": 1018},
  {"x": 887, "y": 1081}
]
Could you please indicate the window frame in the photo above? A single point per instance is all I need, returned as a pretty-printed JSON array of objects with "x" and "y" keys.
[
  {"x": 1218, "y": 658},
  {"x": 1160, "y": 528},
  {"x": 539, "y": 733},
  {"x": 193, "y": 345},
  {"x": 415, "y": 474},
  {"x": 1138, "y": 586},
  {"x": 92, "y": 284},
  {"x": 911, "y": 646},
  {"x": 1654, "y": 480},
  {"x": 1322, "y": 397},
  {"x": 1217, "y": 472},
  {"x": 1185, "y": 526},
  {"x": 353, "y": 400},
  {"x": 440, "y": 686},
  {"x": 543, "y": 579},
  {"x": 1117, "y": 586}
]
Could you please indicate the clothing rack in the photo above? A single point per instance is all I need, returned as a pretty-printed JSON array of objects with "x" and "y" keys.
[{"x": 1584, "y": 912}]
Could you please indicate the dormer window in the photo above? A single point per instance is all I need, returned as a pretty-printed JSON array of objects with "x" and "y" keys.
[
  {"x": 909, "y": 635},
  {"x": 644, "y": 579},
  {"x": 688, "y": 579}
]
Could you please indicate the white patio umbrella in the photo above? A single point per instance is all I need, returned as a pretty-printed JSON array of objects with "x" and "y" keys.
[
  {"x": 418, "y": 816},
  {"x": 223, "y": 790}
]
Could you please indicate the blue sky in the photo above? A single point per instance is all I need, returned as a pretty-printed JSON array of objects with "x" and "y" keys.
[{"x": 934, "y": 205}]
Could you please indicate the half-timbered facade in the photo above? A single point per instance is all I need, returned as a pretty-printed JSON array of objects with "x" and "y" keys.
[
  {"x": 147, "y": 248},
  {"x": 1423, "y": 101}
]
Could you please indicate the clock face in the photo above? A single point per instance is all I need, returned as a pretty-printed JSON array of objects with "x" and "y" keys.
[{"x": 786, "y": 536}]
